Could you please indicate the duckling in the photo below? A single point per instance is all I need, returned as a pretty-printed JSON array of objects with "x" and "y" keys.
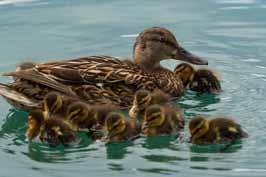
[
  {"x": 217, "y": 130},
  {"x": 36, "y": 119},
  {"x": 145, "y": 98},
  {"x": 162, "y": 120},
  {"x": 56, "y": 103},
  {"x": 118, "y": 128},
  {"x": 201, "y": 80},
  {"x": 185, "y": 72},
  {"x": 82, "y": 116},
  {"x": 53, "y": 131},
  {"x": 205, "y": 80}
]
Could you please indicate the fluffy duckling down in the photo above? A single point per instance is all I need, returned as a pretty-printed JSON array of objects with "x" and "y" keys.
[
  {"x": 162, "y": 120},
  {"x": 216, "y": 130},
  {"x": 201, "y": 80},
  {"x": 53, "y": 131}
]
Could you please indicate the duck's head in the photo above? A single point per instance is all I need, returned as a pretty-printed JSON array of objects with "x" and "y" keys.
[
  {"x": 115, "y": 124},
  {"x": 154, "y": 117},
  {"x": 198, "y": 127},
  {"x": 25, "y": 65},
  {"x": 185, "y": 72},
  {"x": 205, "y": 80},
  {"x": 36, "y": 120},
  {"x": 82, "y": 115},
  {"x": 156, "y": 44},
  {"x": 53, "y": 102},
  {"x": 142, "y": 99}
]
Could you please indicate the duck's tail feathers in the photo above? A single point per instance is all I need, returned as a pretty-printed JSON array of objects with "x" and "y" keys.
[
  {"x": 17, "y": 99},
  {"x": 40, "y": 78}
]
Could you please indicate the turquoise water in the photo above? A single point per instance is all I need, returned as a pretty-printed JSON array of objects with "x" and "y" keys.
[{"x": 231, "y": 34}]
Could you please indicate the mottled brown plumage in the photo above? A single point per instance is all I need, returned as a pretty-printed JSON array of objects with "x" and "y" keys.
[
  {"x": 162, "y": 120},
  {"x": 72, "y": 77},
  {"x": 216, "y": 130},
  {"x": 118, "y": 128}
]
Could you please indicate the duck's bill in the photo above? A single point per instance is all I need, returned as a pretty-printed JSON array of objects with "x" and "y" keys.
[{"x": 184, "y": 55}]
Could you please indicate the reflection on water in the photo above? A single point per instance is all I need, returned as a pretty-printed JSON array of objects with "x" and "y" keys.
[
  {"x": 214, "y": 148},
  {"x": 117, "y": 150}
]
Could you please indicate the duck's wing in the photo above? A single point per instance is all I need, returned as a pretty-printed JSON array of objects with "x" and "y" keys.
[
  {"x": 102, "y": 69},
  {"x": 18, "y": 99},
  {"x": 93, "y": 69}
]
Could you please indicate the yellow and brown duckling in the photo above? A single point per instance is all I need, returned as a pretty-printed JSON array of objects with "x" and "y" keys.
[
  {"x": 118, "y": 128},
  {"x": 216, "y": 130},
  {"x": 70, "y": 77},
  {"x": 50, "y": 130},
  {"x": 162, "y": 120},
  {"x": 143, "y": 99},
  {"x": 82, "y": 116},
  {"x": 201, "y": 80},
  {"x": 79, "y": 114}
]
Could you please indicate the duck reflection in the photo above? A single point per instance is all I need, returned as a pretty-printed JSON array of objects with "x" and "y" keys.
[
  {"x": 231, "y": 147},
  {"x": 117, "y": 150},
  {"x": 159, "y": 142}
]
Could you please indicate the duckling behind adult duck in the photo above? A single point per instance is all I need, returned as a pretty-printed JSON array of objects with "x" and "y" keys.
[
  {"x": 152, "y": 46},
  {"x": 53, "y": 131},
  {"x": 201, "y": 80},
  {"x": 118, "y": 128},
  {"x": 162, "y": 120},
  {"x": 217, "y": 130}
]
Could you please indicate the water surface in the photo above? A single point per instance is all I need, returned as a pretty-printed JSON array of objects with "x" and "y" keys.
[{"x": 229, "y": 33}]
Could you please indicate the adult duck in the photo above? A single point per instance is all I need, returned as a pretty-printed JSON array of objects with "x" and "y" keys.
[{"x": 117, "y": 79}]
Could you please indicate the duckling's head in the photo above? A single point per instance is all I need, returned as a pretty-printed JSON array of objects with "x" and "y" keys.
[
  {"x": 82, "y": 115},
  {"x": 154, "y": 117},
  {"x": 36, "y": 120},
  {"x": 156, "y": 44},
  {"x": 115, "y": 124},
  {"x": 141, "y": 101},
  {"x": 198, "y": 127},
  {"x": 57, "y": 131},
  {"x": 185, "y": 72},
  {"x": 205, "y": 81},
  {"x": 53, "y": 102}
]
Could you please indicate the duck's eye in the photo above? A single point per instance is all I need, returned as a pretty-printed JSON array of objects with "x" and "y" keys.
[{"x": 162, "y": 39}]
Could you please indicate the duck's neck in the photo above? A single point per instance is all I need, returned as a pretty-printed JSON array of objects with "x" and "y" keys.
[{"x": 148, "y": 64}]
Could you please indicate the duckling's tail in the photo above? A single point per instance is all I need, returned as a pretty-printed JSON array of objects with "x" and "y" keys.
[{"x": 17, "y": 99}]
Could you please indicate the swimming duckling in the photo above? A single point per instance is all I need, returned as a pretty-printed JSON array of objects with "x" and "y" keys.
[
  {"x": 53, "y": 131},
  {"x": 143, "y": 99},
  {"x": 201, "y": 80},
  {"x": 82, "y": 116},
  {"x": 205, "y": 80},
  {"x": 118, "y": 128},
  {"x": 36, "y": 119},
  {"x": 162, "y": 120},
  {"x": 217, "y": 130},
  {"x": 185, "y": 72},
  {"x": 56, "y": 103}
]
